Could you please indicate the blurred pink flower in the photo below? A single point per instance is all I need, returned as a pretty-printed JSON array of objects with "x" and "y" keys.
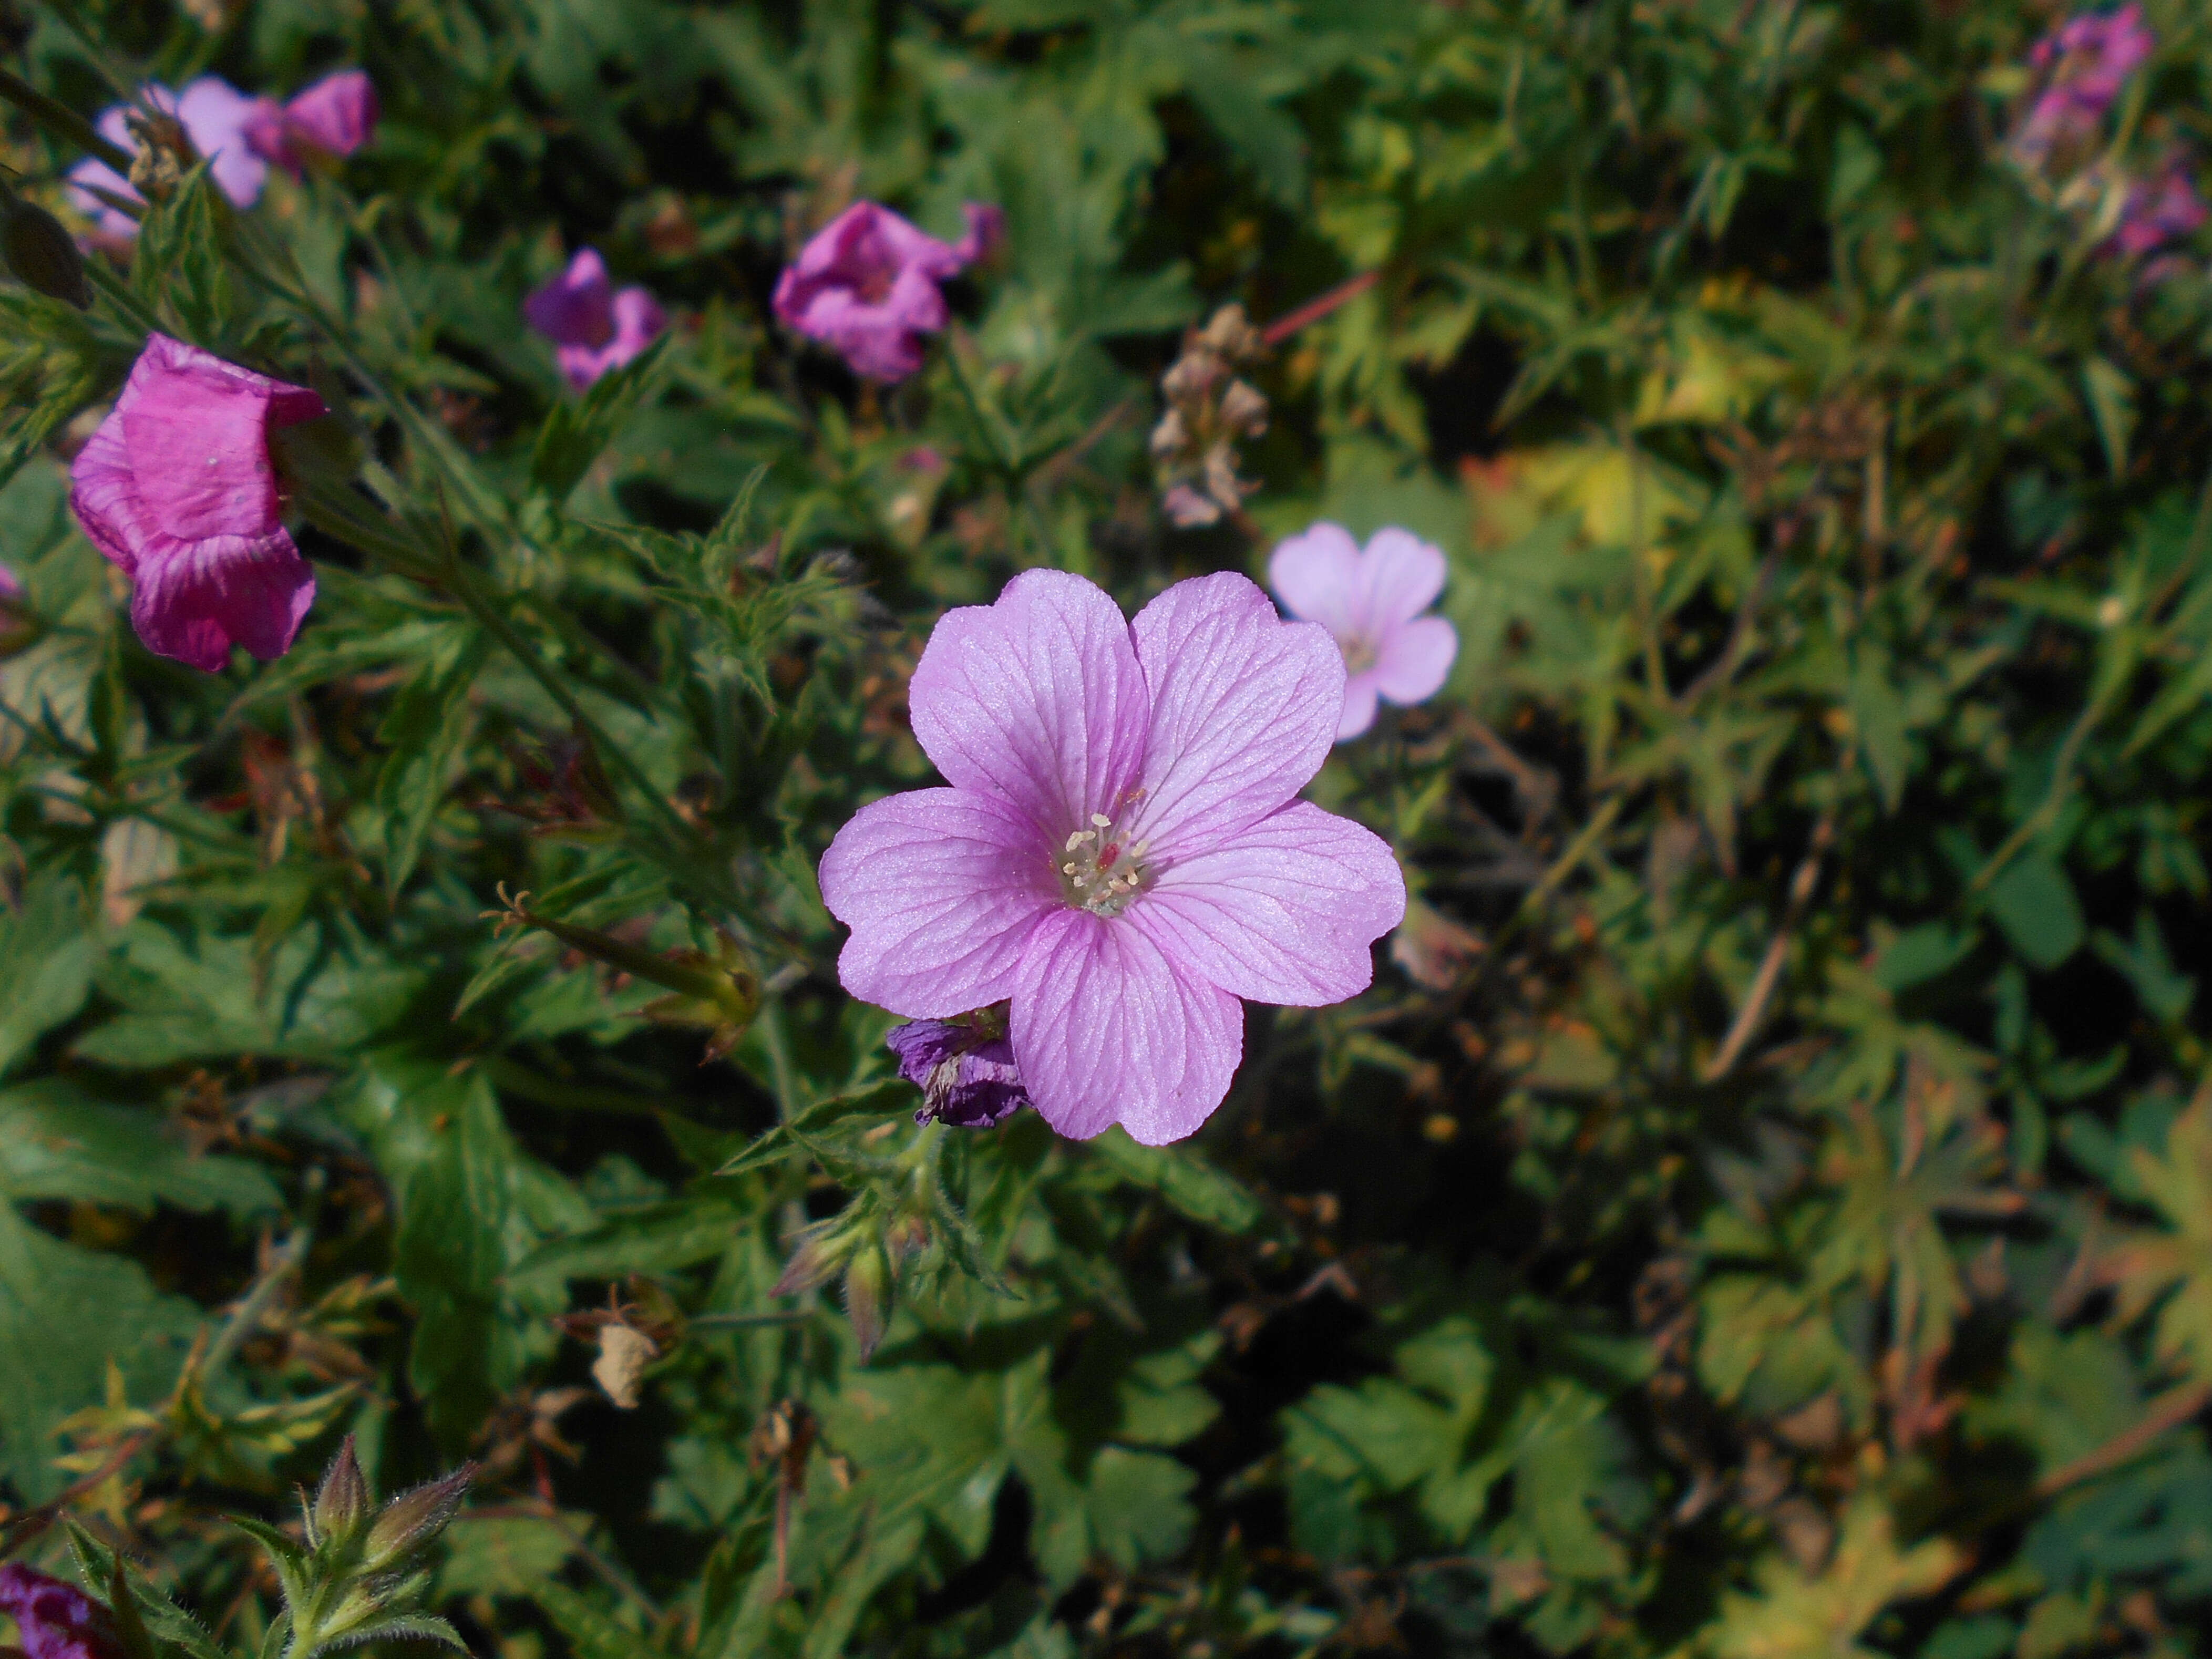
[
  {"x": 11, "y": 586},
  {"x": 216, "y": 117},
  {"x": 1122, "y": 853},
  {"x": 866, "y": 285},
  {"x": 595, "y": 326},
  {"x": 56, "y": 1620},
  {"x": 177, "y": 489},
  {"x": 2160, "y": 211},
  {"x": 334, "y": 117},
  {"x": 1371, "y": 602},
  {"x": 2086, "y": 63}
]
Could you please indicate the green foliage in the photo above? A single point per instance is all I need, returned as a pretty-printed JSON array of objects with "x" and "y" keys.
[{"x": 1762, "y": 1210}]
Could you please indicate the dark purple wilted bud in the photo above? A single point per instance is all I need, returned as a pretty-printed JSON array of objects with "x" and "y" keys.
[
  {"x": 57, "y": 1620},
  {"x": 964, "y": 1069}
]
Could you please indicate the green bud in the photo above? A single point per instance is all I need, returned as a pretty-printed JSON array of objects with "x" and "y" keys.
[
  {"x": 414, "y": 1518},
  {"x": 43, "y": 255},
  {"x": 343, "y": 1498},
  {"x": 868, "y": 1297}
]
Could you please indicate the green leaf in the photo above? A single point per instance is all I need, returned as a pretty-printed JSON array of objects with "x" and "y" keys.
[
  {"x": 56, "y": 1143},
  {"x": 65, "y": 1314},
  {"x": 576, "y": 433},
  {"x": 2111, "y": 405},
  {"x": 1182, "y": 1178},
  {"x": 2033, "y": 903},
  {"x": 425, "y": 730},
  {"x": 47, "y": 951}
]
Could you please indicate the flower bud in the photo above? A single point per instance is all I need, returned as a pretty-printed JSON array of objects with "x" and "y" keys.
[
  {"x": 343, "y": 1498},
  {"x": 414, "y": 1518},
  {"x": 43, "y": 255},
  {"x": 868, "y": 1297}
]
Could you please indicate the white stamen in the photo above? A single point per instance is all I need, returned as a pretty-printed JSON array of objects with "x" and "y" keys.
[
  {"x": 1079, "y": 838},
  {"x": 1101, "y": 820}
]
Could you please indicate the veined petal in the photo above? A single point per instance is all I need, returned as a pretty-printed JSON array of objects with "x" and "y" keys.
[
  {"x": 194, "y": 600},
  {"x": 1317, "y": 575},
  {"x": 1036, "y": 700},
  {"x": 1107, "y": 1030},
  {"x": 1404, "y": 575},
  {"x": 940, "y": 888},
  {"x": 197, "y": 432},
  {"x": 1414, "y": 659},
  {"x": 1245, "y": 706},
  {"x": 1284, "y": 913}
]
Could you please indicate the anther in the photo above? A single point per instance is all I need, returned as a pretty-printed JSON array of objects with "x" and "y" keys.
[{"x": 1100, "y": 819}]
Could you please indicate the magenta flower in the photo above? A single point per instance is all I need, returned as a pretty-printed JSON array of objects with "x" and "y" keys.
[
  {"x": 177, "y": 489},
  {"x": 963, "y": 1067},
  {"x": 866, "y": 285},
  {"x": 215, "y": 115},
  {"x": 2160, "y": 211},
  {"x": 1121, "y": 854},
  {"x": 332, "y": 118},
  {"x": 2087, "y": 62},
  {"x": 11, "y": 586},
  {"x": 56, "y": 1620},
  {"x": 1371, "y": 602},
  {"x": 595, "y": 326}
]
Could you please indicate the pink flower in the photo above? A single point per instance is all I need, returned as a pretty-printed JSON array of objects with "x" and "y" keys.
[
  {"x": 11, "y": 586},
  {"x": 1121, "y": 854},
  {"x": 216, "y": 117},
  {"x": 333, "y": 117},
  {"x": 596, "y": 327},
  {"x": 1372, "y": 603},
  {"x": 2087, "y": 60},
  {"x": 56, "y": 1620},
  {"x": 2160, "y": 211},
  {"x": 177, "y": 488},
  {"x": 866, "y": 285}
]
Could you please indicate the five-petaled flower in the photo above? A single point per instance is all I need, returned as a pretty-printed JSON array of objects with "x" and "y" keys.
[
  {"x": 177, "y": 487},
  {"x": 1121, "y": 852},
  {"x": 331, "y": 119},
  {"x": 866, "y": 285},
  {"x": 55, "y": 1620},
  {"x": 594, "y": 326},
  {"x": 216, "y": 116},
  {"x": 1371, "y": 602}
]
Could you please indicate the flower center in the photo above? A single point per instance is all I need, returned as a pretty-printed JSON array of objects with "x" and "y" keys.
[
  {"x": 1358, "y": 653},
  {"x": 1100, "y": 868}
]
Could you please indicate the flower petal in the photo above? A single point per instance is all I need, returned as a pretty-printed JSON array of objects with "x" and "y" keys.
[
  {"x": 1414, "y": 659},
  {"x": 217, "y": 115},
  {"x": 940, "y": 887},
  {"x": 197, "y": 431},
  {"x": 194, "y": 600},
  {"x": 1244, "y": 707},
  {"x": 1403, "y": 576},
  {"x": 1106, "y": 1029},
  {"x": 576, "y": 308},
  {"x": 1317, "y": 577},
  {"x": 1036, "y": 700},
  {"x": 1284, "y": 913},
  {"x": 1359, "y": 707}
]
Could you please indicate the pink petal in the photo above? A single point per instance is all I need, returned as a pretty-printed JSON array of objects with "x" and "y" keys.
[
  {"x": 987, "y": 228},
  {"x": 1317, "y": 577},
  {"x": 194, "y": 600},
  {"x": 1036, "y": 699},
  {"x": 1403, "y": 576},
  {"x": 1106, "y": 1029},
  {"x": 1243, "y": 708},
  {"x": 337, "y": 114},
  {"x": 217, "y": 115},
  {"x": 940, "y": 888},
  {"x": 1283, "y": 912},
  {"x": 196, "y": 429},
  {"x": 1411, "y": 664},
  {"x": 1359, "y": 705}
]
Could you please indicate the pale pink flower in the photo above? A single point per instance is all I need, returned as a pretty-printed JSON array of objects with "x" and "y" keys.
[
  {"x": 2085, "y": 62},
  {"x": 177, "y": 489},
  {"x": 1121, "y": 853},
  {"x": 332, "y": 118},
  {"x": 594, "y": 326},
  {"x": 216, "y": 117},
  {"x": 1371, "y": 602},
  {"x": 866, "y": 285}
]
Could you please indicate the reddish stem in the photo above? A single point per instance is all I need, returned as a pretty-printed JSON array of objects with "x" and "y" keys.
[{"x": 1314, "y": 309}]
